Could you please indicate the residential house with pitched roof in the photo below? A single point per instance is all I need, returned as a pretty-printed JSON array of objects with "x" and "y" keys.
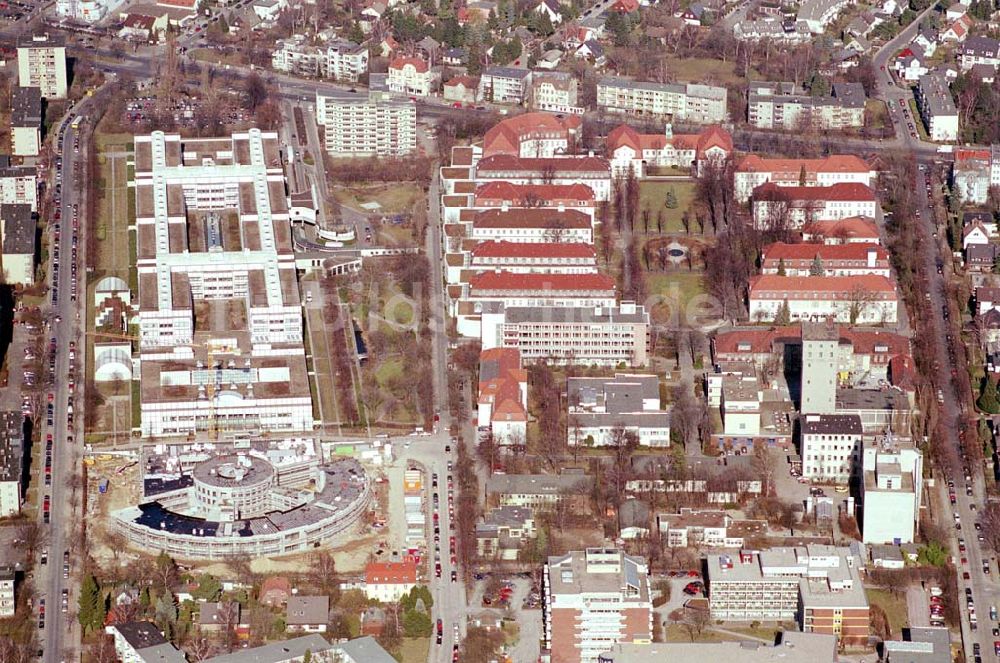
[
  {"x": 503, "y": 396},
  {"x": 410, "y": 76},
  {"x": 388, "y": 582}
]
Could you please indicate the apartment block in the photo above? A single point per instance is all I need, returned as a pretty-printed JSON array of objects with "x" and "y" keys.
[
  {"x": 142, "y": 642},
  {"x": 18, "y": 244},
  {"x": 554, "y": 91},
  {"x": 372, "y": 126},
  {"x": 752, "y": 171},
  {"x": 602, "y": 409},
  {"x": 831, "y": 446},
  {"x": 18, "y": 185},
  {"x": 777, "y": 207},
  {"x": 592, "y": 600},
  {"x": 789, "y": 107},
  {"x": 8, "y": 602},
  {"x": 504, "y": 85},
  {"x": 41, "y": 63},
  {"x": 682, "y": 102},
  {"x": 390, "y": 581},
  {"x": 891, "y": 490},
  {"x": 25, "y": 121},
  {"x": 11, "y": 462},
  {"x": 580, "y": 335},
  {"x": 741, "y": 405},
  {"x": 864, "y": 300},
  {"x": 937, "y": 108},
  {"x": 338, "y": 60},
  {"x": 818, "y": 586},
  {"x": 826, "y": 259}
]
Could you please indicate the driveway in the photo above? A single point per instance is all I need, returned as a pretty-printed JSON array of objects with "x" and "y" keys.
[{"x": 918, "y": 606}]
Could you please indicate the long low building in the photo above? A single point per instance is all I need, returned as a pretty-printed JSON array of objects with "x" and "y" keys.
[
  {"x": 582, "y": 335},
  {"x": 594, "y": 172},
  {"x": 863, "y": 300},
  {"x": 752, "y": 171},
  {"x": 779, "y": 207},
  {"x": 528, "y": 224},
  {"x": 824, "y": 259},
  {"x": 812, "y": 647},
  {"x": 682, "y": 102}
]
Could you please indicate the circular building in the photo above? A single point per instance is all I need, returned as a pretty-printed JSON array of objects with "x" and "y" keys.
[
  {"x": 233, "y": 486},
  {"x": 241, "y": 504}
]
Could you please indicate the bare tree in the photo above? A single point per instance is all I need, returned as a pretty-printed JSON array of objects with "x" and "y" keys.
[
  {"x": 989, "y": 520},
  {"x": 694, "y": 622}
]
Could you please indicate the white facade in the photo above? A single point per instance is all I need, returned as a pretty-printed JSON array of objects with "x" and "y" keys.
[
  {"x": 850, "y": 299},
  {"x": 7, "y": 603},
  {"x": 504, "y": 85},
  {"x": 18, "y": 187},
  {"x": 752, "y": 171},
  {"x": 682, "y": 102},
  {"x": 86, "y": 11},
  {"x": 367, "y": 127},
  {"x": 410, "y": 76},
  {"x": 891, "y": 492},
  {"x": 25, "y": 141},
  {"x": 10, "y": 497},
  {"x": 937, "y": 108},
  {"x": 831, "y": 447},
  {"x": 41, "y": 62}
]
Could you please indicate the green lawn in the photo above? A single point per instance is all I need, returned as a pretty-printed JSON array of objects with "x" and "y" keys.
[
  {"x": 395, "y": 198},
  {"x": 388, "y": 370},
  {"x": 653, "y": 196},
  {"x": 894, "y": 607},
  {"x": 414, "y": 650},
  {"x": 685, "y": 285},
  {"x": 705, "y": 70}
]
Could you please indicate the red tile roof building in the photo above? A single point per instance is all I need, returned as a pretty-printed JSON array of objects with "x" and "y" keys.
[
  {"x": 538, "y": 257},
  {"x": 533, "y": 135},
  {"x": 507, "y": 194},
  {"x": 503, "y": 395},
  {"x": 389, "y": 581},
  {"x": 627, "y": 148},
  {"x": 535, "y": 224},
  {"x": 842, "y": 231},
  {"x": 510, "y": 289},
  {"x": 595, "y": 172},
  {"x": 752, "y": 171},
  {"x": 826, "y": 260},
  {"x": 861, "y": 351},
  {"x": 862, "y": 300},
  {"x": 795, "y": 206}
]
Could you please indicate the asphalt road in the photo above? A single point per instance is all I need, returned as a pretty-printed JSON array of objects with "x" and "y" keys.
[{"x": 61, "y": 636}]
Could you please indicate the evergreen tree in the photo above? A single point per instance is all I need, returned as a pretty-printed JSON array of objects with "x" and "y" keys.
[
  {"x": 802, "y": 175},
  {"x": 307, "y": 656},
  {"x": 989, "y": 399},
  {"x": 781, "y": 267},
  {"x": 784, "y": 314},
  {"x": 91, "y": 609},
  {"x": 355, "y": 33},
  {"x": 543, "y": 24},
  {"x": 671, "y": 199},
  {"x": 817, "y": 267}
]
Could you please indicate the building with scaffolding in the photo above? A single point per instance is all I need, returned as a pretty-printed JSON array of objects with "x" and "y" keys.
[
  {"x": 250, "y": 496},
  {"x": 220, "y": 320}
]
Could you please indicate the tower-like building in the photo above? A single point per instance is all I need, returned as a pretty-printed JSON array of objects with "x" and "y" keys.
[{"x": 819, "y": 367}]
